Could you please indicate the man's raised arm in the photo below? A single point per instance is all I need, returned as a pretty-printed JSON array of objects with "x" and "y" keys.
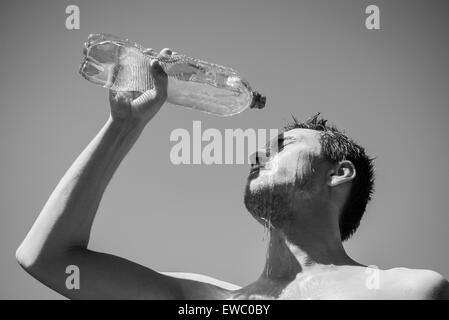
[{"x": 60, "y": 235}]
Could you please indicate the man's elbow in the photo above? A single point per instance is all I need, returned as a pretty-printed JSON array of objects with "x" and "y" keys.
[
  {"x": 25, "y": 258},
  {"x": 30, "y": 259},
  {"x": 32, "y": 256}
]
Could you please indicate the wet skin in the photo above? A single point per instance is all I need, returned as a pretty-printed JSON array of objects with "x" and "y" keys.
[{"x": 296, "y": 190}]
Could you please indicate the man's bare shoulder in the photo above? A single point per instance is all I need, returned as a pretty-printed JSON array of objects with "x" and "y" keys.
[{"x": 415, "y": 283}]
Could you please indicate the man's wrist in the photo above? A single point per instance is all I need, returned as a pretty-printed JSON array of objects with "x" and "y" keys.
[{"x": 126, "y": 126}]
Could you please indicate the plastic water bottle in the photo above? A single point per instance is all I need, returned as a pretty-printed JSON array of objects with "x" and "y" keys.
[{"x": 123, "y": 65}]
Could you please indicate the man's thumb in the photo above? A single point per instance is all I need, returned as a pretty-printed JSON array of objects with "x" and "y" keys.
[{"x": 160, "y": 78}]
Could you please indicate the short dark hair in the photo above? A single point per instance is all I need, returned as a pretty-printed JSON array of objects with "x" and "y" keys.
[{"x": 336, "y": 146}]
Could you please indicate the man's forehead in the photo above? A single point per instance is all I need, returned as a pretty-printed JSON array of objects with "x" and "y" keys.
[
  {"x": 303, "y": 134},
  {"x": 306, "y": 137}
]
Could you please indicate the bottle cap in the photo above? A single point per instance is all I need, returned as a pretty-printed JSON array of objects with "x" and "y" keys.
[{"x": 258, "y": 101}]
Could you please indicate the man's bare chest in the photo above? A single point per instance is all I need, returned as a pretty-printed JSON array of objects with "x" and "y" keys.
[{"x": 314, "y": 289}]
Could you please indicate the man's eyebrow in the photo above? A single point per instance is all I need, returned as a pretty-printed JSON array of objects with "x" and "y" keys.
[{"x": 280, "y": 138}]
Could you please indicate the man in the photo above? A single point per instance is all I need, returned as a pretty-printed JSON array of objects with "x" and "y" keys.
[{"x": 311, "y": 192}]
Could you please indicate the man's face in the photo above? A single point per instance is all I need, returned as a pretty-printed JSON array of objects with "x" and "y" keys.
[{"x": 292, "y": 173}]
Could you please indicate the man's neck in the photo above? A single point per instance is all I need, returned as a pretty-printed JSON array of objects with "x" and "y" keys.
[{"x": 303, "y": 247}]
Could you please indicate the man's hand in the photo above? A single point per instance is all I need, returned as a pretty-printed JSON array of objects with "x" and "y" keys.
[{"x": 141, "y": 107}]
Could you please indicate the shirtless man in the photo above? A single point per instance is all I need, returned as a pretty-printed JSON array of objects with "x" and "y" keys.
[{"x": 311, "y": 192}]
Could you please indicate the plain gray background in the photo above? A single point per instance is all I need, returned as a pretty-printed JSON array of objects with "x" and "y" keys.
[{"x": 388, "y": 89}]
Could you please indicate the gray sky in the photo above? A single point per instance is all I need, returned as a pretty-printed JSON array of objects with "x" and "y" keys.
[{"x": 388, "y": 89}]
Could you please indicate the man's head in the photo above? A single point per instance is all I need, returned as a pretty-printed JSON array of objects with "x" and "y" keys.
[{"x": 309, "y": 170}]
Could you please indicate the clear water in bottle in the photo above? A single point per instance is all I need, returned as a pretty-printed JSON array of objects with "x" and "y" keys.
[{"x": 123, "y": 65}]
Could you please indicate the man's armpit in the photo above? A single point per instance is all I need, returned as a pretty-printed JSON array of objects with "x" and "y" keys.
[{"x": 198, "y": 286}]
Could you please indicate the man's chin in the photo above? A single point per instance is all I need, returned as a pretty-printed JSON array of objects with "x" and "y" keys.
[{"x": 269, "y": 207}]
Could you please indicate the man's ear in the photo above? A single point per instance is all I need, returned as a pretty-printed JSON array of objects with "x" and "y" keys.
[{"x": 343, "y": 172}]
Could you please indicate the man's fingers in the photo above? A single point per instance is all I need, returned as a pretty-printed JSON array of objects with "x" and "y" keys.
[
  {"x": 144, "y": 98},
  {"x": 160, "y": 80},
  {"x": 159, "y": 92},
  {"x": 150, "y": 100},
  {"x": 159, "y": 75}
]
